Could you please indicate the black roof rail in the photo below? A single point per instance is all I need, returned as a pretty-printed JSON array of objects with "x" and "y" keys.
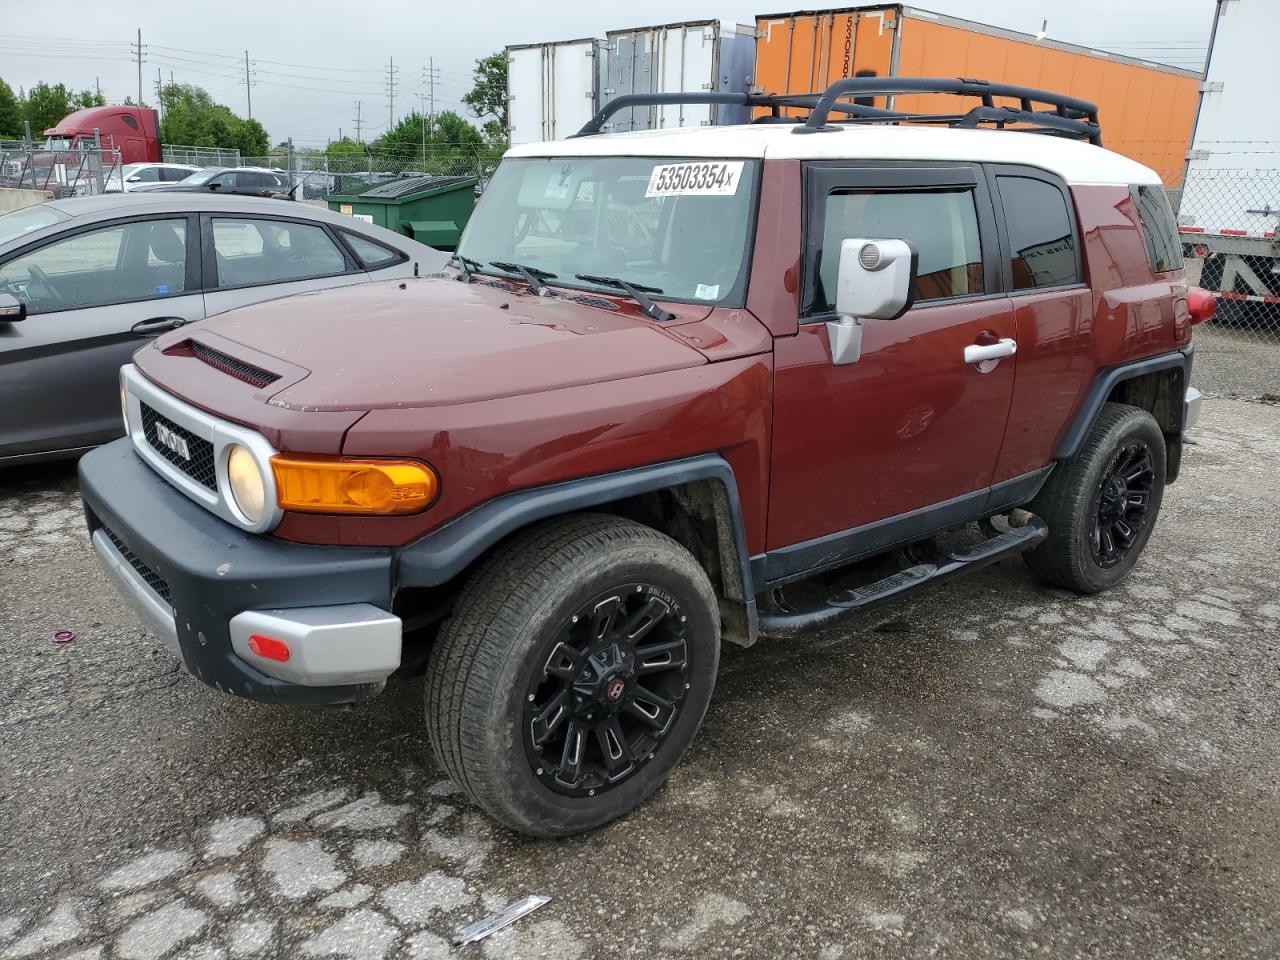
[{"x": 1066, "y": 116}]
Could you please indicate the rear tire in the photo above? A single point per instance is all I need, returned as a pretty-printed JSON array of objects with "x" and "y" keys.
[
  {"x": 1101, "y": 505},
  {"x": 610, "y": 621}
]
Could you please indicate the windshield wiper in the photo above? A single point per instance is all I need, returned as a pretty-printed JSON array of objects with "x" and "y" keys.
[
  {"x": 533, "y": 275},
  {"x": 466, "y": 265},
  {"x": 635, "y": 291}
]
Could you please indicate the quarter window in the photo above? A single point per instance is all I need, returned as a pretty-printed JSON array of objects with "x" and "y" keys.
[
  {"x": 942, "y": 225},
  {"x": 251, "y": 251},
  {"x": 1159, "y": 228},
  {"x": 372, "y": 255},
  {"x": 142, "y": 260},
  {"x": 1041, "y": 240}
]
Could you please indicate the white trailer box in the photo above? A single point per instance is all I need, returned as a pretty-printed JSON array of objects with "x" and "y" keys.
[
  {"x": 703, "y": 55},
  {"x": 1230, "y": 204},
  {"x": 552, "y": 88}
]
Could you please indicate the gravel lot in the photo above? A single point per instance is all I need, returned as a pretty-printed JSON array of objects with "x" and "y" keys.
[{"x": 991, "y": 770}]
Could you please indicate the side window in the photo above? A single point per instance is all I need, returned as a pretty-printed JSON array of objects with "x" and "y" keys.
[
  {"x": 225, "y": 181},
  {"x": 1040, "y": 234},
  {"x": 250, "y": 251},
  {"x": 118, "y": 264},
  {"x": 146, "y": 175},
  {"x": 1159, "y": 227},
  {"x": 129, "y": 121},
  {"x": 372, "y": 255},
  {"x": 174, "y": 174},
  {"x": 942, "y": 225}
]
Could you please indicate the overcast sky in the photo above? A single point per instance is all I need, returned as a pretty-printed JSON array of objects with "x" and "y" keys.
[{"x": 313, "y": 61}]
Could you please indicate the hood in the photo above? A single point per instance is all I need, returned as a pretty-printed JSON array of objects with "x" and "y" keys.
[{"x": 430, "y": 342}]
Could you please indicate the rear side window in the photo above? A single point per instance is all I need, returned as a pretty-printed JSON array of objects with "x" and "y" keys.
[
  {"x": 372, "y": 255},
  {"x": 942, "y": 225},
  {"x": 1159, "y": 228},
  {"x": 1041, "y": 241},
  {"x": 250, "y": 251}
]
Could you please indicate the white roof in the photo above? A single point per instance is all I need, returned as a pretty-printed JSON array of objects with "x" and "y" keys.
[{"x": 1073, "y": 160}]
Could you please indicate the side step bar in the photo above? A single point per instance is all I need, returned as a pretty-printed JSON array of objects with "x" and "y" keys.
[{"x": 848, "y": 602}]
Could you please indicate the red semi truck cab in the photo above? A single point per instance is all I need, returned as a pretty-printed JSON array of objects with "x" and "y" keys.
[
  {"x": 668, "y": 374},
  {"x": 133, "y": 131}
]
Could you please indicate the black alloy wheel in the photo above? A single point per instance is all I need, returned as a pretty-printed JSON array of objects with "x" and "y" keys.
[
  {"x": 609, "y": 690},
  {"x": 1124, "y": 497}
]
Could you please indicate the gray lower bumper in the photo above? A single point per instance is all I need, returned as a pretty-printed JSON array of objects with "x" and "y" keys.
[
  {"x": 150, "y": 607},
  {"x": 1191, "y": 408}
]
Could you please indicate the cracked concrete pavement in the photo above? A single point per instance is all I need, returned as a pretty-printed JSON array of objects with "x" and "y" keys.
[{"x": 992, "y": 769}]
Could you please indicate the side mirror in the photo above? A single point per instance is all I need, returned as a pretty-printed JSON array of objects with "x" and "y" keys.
[
  {"x": 214, "y": 184},
  {"x": 11, "y": 308},
  {"x": 876, "y": 280}
]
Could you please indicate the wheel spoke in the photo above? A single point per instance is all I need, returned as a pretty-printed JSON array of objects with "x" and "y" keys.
[
  {"x": 1138, "y": 471},
  {"x": 575, "y": 744},
  {"x": 1138, "y": 500},
  {"x": 613, "y": 747},
  {"x": 549, "y": 718},
  {"x": 1108, "y": 543},
  {"x": 653, "y": 657},
  {"x": 1124, "y": 533},
  {"x": 605, "y": 616},
  {"x": 564, "y": 662},
  {"x": 645, "y": 619},
  {"x": 652, "y": 709}
]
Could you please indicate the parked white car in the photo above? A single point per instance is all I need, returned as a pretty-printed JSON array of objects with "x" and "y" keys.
[{"x": 131, "y": 175}]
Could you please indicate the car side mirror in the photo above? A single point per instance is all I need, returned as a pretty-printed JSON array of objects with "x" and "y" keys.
[
  {"x": 876, "y": 280},
  {"x": 11, "y": 308},
  {"x": 214, "y": 184}
]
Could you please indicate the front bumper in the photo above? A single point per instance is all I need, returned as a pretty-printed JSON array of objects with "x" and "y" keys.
[{"x": 206, "y": 587}]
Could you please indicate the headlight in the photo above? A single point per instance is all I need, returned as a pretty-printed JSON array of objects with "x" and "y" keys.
[{"x": 248, "y": 489}]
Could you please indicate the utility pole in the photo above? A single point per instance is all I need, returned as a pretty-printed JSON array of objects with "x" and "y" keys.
[
  {"x": 97, "y": 88},
  {"x": 430, "y": 74},
  {"x": 159, "y": 90},
  {"x": 392, "y": 70},
  {"x": 248, "y": 84},
  {"x": 359, "y": 104},
  {"x": 139, "y": 54}
]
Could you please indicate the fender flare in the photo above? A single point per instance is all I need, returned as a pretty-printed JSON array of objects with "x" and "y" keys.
[
  {"x": 446, "y": 552},
  {"x": 1106, "y": 381}
]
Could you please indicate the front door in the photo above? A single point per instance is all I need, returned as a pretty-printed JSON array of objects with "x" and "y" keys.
[
  {"x": 92, "y": 298},
  {"x": 910, "y": 428}
]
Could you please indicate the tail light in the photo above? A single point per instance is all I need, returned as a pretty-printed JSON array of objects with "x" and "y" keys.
[{"x": 1200, "y": 304}]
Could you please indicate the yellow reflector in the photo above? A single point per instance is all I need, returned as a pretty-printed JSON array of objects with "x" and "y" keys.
[{"x": 380, "y": 487}]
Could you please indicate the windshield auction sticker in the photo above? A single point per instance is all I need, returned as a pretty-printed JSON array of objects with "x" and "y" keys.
[{"x": 711, "y": 178}]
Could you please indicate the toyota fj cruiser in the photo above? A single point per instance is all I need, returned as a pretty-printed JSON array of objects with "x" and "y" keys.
[{"x": 667, "y": 374}]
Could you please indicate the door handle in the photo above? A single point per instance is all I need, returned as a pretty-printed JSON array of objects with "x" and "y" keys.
[
  {"x": 157, "y": 325},
  {"x": 977, "y": 353}
]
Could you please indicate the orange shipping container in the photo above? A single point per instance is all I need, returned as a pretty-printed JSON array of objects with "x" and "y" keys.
[{"x": 1146, "y": 110}]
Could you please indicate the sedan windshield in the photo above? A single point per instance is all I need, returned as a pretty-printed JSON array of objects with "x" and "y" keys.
[
  {"x": 19, "y": 222},
  {"x": 679, "y": 228},
  {"x": 202, "y": 176}
]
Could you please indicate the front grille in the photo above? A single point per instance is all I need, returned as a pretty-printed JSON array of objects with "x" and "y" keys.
[
  {"x": 156, "y": 582},
  {"x": 200, "y": 467},
  {"x": 230, "y": 365}
]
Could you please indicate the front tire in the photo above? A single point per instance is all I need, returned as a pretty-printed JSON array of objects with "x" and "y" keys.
[
  {"x": 1101, "y": 506},
  {"x": 574, "y": 671}
]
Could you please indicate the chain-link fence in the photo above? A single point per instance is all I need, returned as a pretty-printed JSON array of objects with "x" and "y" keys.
[
  {"x": 64, "y": 173},
  {"x": 200, "y": 156},
  {"x": 317, "y": 175},
  {"x": 1228, "y": 221}
]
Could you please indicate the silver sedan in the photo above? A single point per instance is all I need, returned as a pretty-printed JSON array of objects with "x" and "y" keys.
[{"x": 84, "y": 282}]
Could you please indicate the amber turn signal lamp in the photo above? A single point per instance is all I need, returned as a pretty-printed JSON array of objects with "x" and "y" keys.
[{"x": 372, "y": 487}]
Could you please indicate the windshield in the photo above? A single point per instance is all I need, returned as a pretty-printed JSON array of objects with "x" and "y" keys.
[
  {"x": 15, "y": 224},
  {"x": 678, "y": 227},
  {"x": 202, "y": 176},
  {"x": 58, "y": 143}
]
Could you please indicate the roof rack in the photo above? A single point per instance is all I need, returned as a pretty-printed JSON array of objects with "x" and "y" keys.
[{"x": 1066, "y": 116}]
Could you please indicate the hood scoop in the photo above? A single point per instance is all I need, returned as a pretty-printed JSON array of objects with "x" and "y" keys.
[{"x": 229, "y": 365}]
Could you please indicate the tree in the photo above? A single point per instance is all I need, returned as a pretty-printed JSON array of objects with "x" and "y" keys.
[
  {"x": 87, "y": 98},
  {"x": 344, "y": 148},
  {"x": 488, "y": 96},
  {"x": 46, "y": 105},
  {"x": 192, "y": 118},
  {"x": 10, "y": 113}
]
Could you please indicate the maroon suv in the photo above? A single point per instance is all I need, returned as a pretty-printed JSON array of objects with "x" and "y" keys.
[{"x": 667, "y": 374}]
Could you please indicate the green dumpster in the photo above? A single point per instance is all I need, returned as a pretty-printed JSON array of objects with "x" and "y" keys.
[{"x": 431, "y": 210}]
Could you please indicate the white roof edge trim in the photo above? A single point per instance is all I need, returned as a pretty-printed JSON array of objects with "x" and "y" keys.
[{"x": 1076, "y": 162}]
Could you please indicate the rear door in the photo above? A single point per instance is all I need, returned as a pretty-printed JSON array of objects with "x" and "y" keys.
[
  {"x": 93, "y": 297},
  {"x": 248, "y": 259},
  {"x": 911, "y": 428}
]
